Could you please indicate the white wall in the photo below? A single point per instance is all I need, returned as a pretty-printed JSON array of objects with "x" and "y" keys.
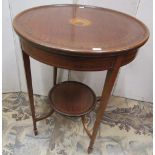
[
  {"x": 42, "y": 75},
  {"x": 136, "y": 79},
  {"x": 10, "y": 78},
  {"x": 96, "y": 79},
  {"x": 133, "y": 82}
]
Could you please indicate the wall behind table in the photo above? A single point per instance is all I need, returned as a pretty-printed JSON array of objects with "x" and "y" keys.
[
  {"x": 10, "y": 78},
  {"x": 42, "y": 75},
  {"x": 133, "y": 82},
  {"x": 136, "y": 79}
]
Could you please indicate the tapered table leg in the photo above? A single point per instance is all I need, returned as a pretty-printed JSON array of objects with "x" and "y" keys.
[
  {"x": 109, "y": 82},
  {"x": 27, "y": 67},
  {"x": 54, "y": 76}
]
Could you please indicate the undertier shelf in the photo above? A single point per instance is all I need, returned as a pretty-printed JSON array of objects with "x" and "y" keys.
[{"x": 72, "y": 98}]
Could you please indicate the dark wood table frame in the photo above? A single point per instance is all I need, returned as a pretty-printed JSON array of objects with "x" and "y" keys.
[
  {"x": 118, "y": 61},
  {"x": 46, "y": 44}
]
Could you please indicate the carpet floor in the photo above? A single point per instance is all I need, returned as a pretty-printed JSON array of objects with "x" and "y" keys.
[{"x": 126, "y": 129}]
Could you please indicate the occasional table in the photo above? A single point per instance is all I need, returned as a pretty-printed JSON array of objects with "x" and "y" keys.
[{"x": 81, "y": 38}]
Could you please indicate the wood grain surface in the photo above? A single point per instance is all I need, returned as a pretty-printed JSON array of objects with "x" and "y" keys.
[
  {"x": 76, "y": 29},
  {"x": 72, "y": 98}
]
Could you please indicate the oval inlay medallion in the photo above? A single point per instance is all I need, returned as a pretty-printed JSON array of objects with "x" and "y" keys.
[{"x": 80, "y": 22}]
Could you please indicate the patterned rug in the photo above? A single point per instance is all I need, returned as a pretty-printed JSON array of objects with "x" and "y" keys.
[{"x": 126, "y": 129}]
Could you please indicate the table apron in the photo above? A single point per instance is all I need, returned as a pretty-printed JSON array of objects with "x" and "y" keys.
[{"x": 77, "y": 63}]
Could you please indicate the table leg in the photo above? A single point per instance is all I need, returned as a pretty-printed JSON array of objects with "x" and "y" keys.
[
  {"x": 27, "y": 67},
  {"x": 54, "y": 76},
  {"x": 109, "y": 82}
]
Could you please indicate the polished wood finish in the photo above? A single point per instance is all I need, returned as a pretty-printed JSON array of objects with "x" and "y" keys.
[
  {"x": 45, "y": 115},
  {"x": 109, "y": 82},
  {"x": 109, "y": 32},
  {"x": 54, "y": 76},
  {"x": 83, "y": 118},
  {"x": 82, "y": 38},
  {"x": 72, "y": 98},
  {"x": 27, "y": 67},
  {"x": 79, "y": 63}
]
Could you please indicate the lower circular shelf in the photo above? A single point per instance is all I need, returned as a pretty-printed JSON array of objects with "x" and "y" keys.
[{"x": 72, "y": 98}]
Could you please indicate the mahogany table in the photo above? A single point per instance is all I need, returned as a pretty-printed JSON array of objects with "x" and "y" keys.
[{"x": 82, "y": 38}]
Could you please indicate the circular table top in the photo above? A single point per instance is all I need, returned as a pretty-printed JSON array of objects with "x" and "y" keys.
[{"x": 77, "y": 29}]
